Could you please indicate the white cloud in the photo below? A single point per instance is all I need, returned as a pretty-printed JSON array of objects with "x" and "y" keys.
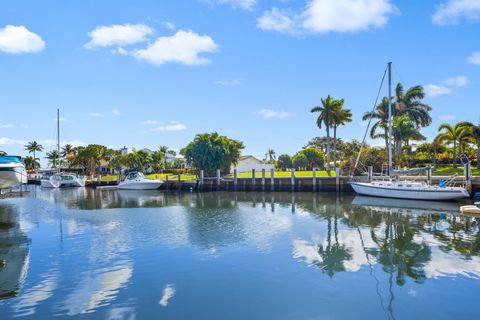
[
  {"x": 229, "y": 83},
  {"x": 75, "y": 142},
  {"x": 18, "y": 39},
  {"x": 116, "y": 112},
  {"x": 118, "y": 35},
  {"x": 168, "y": 25},
  {"x": 151, "y": 122},
  {"x": 433, "y": 90},
  {"x": 95, "y": 114},
  {"x": 270, "y": 114},
  {"x": 457, "y": 82},
  {"x": 11, "y": 142},
  {"x": 324, "y": 16},
  {"x": 242, "y": 4},
  {"x": 277, "y": 20},
  {"x": 453, "y": 11},
  {"x": 7, "y": 125},
  {"x": 183, "y": 47},
  {"x": 172, "y": 126},
  {"x": 445, "y": 87},
  {"x": 474, "y": 58},
  {"x": 167, "y": 294}
]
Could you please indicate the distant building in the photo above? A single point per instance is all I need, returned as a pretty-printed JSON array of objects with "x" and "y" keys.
[{"x": 247, "y": 163}]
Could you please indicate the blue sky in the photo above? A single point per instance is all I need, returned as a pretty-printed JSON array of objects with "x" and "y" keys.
[{"x": 149, "y": 73}]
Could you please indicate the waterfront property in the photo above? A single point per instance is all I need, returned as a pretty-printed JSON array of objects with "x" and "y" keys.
[{"x": 122, "y": 254}]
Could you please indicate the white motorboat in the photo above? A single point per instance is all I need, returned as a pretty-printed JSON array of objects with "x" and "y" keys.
[
  {"x": 406, "y": 189},
  {"x": 138, "y": 181},
  {"x": 12, "y": 172},
  {"x": 63, "y": 180}
]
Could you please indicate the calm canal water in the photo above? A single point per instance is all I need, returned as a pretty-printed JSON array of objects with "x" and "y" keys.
[{"x": 107, "y": 254}]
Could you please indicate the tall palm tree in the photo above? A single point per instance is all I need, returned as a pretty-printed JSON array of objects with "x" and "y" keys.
[
  {"x": 270, "y": 156},
  {"x": 68, "y": 149},
  {"x": 326, "y": 115},
  {"x": 453, "y": 134},
  {"x": 33, "y": 147},
  {"x": 407, "y": 103},
  {"x": 341, "y": 116}
]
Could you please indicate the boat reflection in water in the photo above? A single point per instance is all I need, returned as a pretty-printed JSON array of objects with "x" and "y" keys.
[
  {"x": 13, "y": 253},
  {"x": 132, "y": 254}
]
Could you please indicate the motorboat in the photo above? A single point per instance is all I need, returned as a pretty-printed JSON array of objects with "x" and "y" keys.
[
  {"x": 12, "y": 172},
  {"x": 403, "y": 189},
  {"x": 471, "y": 209},
  {"x": 63, "y": 180},
  {"x": 138, "y": 181}
]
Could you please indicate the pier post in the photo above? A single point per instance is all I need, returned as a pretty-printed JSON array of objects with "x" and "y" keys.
[
  {"x": 235, "y": 179},
  {"x": 179, "y": 182},
  {"x": 337, "y": 179},
  {"x": 272, "y": 179},
  {"x": 253, "y": 179},
  {"x": 370, "y": 173},
  {"x": 201, "y": 179},
  {"x": 218, "y": 179},
  {"x": 263, "y": 179},
  {"x": 429, "y": 175},
  {"x": 467, "y": 172},
  {"x": 314, "y": 180},
  {"x": 292, "y": 178}
]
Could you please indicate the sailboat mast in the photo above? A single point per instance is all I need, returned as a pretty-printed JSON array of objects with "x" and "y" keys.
[
  {"x": 390, "y": 166},
  {"x": 58, "y": 140}
]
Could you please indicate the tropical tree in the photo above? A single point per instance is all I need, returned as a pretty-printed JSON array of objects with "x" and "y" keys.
[
  {"x": 406, "y": 103},
  {"x": 326, "y": 118},
  {"x": 211, "y": 151},
  {"x": 284, "y": 162},
  {"x": 89, "y": 157},
  {"x": 33, "y": 147},
  {"x": 53, "y": 158},
  {"x": 341, "y": 116},
  {"x": 68, "y": 149},
  {"x": 309, "y": 158},
  {"x": 30, "y": 163},
  {"x": 475, "y": 138},
  {"x": 454, "y": 134},
  {"x": 270, "y": 156}
]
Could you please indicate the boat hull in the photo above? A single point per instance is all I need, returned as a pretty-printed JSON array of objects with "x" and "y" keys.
[
  {"x": 12, "y": 176},
  {"x": 439, "y": 194},
  {"x": 140, "y": 185}
]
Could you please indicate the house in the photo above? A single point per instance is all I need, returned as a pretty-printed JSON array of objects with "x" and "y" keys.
[{"x": 247, "y": 163}]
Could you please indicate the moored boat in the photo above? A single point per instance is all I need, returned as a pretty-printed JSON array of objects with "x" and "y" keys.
[
  {"x": 12, "y": 172},
  {"x": 138, "y": 181}
]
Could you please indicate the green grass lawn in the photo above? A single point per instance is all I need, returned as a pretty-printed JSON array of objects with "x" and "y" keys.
[
  {"x": 449, "y": 171},
  {"x": 284, "y": 174}
]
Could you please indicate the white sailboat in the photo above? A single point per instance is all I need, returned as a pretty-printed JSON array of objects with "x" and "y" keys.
[
  {"x": 138, "y": 181},
  {"x": 394, "y": 188},
  {"x": 61, "y": 179},
  {"x": 12, "y": 172}
]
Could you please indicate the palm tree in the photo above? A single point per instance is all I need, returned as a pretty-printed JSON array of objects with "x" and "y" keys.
[
  {"x": 407, "y": 103},
  {"x": 341, "y": 116},
  {"x": 453, "y": 134},
  {"x": 68, "y": 149},
  {"x": 52, "y": 157},
  {"x": 33, "y": 147},
  {"x": 270, "y": 156},
  {"x": 326, "y": 117},
  {"x": 30, "y": 163},
  {"x": 475, "y": 138}
]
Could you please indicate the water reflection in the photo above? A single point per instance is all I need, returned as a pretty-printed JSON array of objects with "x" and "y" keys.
[
  {"x": 123, "y": 252},
  {"x": 13, "y": 252}
]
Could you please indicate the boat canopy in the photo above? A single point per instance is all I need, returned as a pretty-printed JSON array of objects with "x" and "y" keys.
[{"x": 10, "y": 159}]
